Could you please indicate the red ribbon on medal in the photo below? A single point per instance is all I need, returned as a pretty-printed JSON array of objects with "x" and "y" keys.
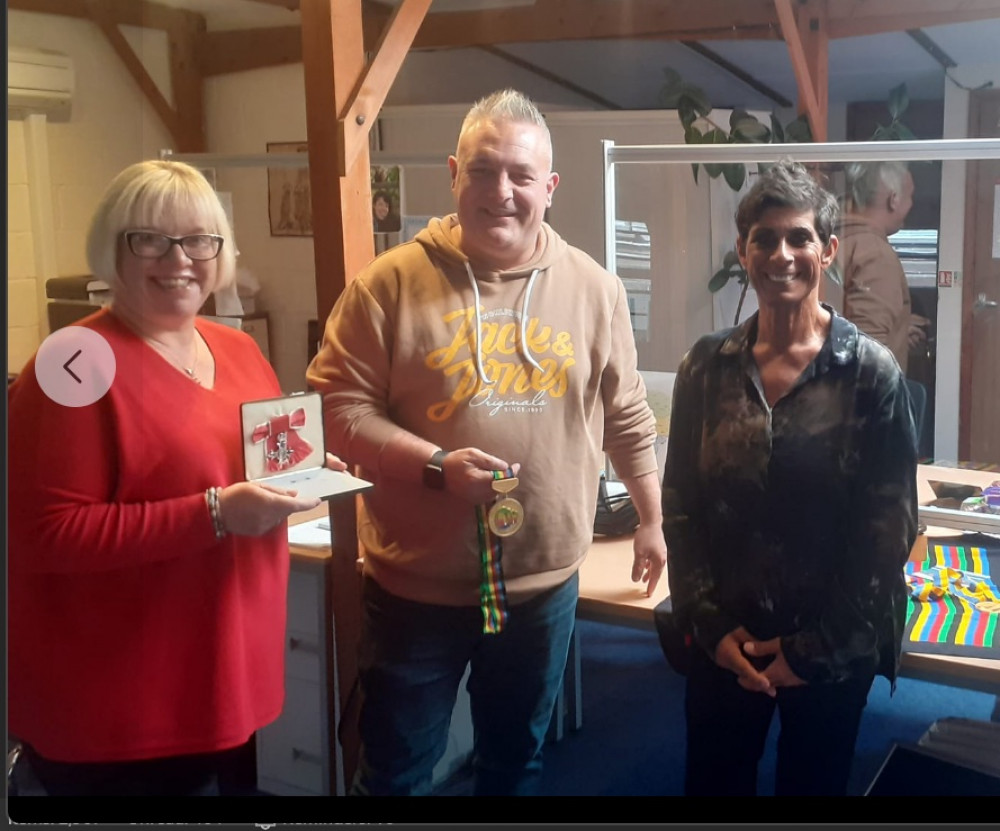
[{"x": 283, "y": 446}]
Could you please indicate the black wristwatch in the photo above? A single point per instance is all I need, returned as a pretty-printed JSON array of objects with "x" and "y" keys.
[{"x": 434, "y": 471}]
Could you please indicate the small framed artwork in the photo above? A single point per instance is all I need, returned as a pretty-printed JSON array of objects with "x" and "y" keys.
[
  {"x": 387, "y": 208},
  {"x": 289, "y": 196},
  {"x": 413, "y": 225}
]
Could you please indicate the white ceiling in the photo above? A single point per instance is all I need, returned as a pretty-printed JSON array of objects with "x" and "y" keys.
[{"x": 629, "y": 73}]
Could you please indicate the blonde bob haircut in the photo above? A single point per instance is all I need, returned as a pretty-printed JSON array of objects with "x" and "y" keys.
[{"x": 145, "y": 194}]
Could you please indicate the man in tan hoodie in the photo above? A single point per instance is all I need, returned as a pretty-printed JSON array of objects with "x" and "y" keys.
[
  {"x": 876, "y": 294},
  {"x": 478, "y": 374}
]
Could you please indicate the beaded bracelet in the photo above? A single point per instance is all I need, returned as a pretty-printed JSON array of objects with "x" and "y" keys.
[{"x": 215, "y": 509}]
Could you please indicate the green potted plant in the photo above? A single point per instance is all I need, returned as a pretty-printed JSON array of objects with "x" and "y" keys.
[{"x": 693, "y": 110}]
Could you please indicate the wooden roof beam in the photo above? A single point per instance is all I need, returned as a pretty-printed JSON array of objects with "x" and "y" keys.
[
  {"x": 241, "y": 49},
  {"x": 187, "y": 82},
  {"x": 185, "y": 119},
  {"x": 553, "y": 20},
  {"x": 806, "y": 76},
  {"x": 390, "y": 52},
  {"x": 851, "y": 18},
  {"x": 291, "y": 5},
  {"x": 121, "y": 12}
]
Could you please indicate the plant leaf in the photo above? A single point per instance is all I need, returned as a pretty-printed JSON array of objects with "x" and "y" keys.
[
  {"x": 777, "y": 131},
  {"x": 719, "y": 279},
  {"x": 686, "y": 112},
  {"x": 671, "y": 77},
  {"x": 835, "y": 273},
  {"x": 697, "y": 98},
  {"x": 715, "y": 136},
  {"x": 751, "y": 130},
  {"x": 670, "y": 92},
  {"x": 899, "y": 100},
  {"x": 798, "y": 130},
  {"x": 735, "y": 175},
  {"x": 736, "y": 116}
]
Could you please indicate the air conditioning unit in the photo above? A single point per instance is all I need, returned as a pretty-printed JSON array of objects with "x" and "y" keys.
[{"x": 39, "y": 81}]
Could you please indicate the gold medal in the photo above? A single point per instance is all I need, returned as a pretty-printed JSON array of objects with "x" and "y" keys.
[
  {"x": 990, "y": 607},
  {"x": 506, "y": 516}
]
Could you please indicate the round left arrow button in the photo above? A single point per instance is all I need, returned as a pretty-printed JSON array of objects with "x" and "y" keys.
[{"x": 75, "y": 366}]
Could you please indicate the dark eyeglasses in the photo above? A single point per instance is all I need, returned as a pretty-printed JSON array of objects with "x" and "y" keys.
[{"x": 151, "y": 245}]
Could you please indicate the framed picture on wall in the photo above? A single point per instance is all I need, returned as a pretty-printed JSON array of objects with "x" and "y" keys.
[
  {"x": 413, "y": 225},
  {"x": 387, "y": 207},
  {"x": 289, "y": 198}
]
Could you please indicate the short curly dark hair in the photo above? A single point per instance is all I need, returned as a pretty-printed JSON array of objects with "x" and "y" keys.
[{"x": 787, "y": 184}]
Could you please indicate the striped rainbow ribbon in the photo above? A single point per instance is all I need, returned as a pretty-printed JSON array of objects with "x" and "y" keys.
[
  {"x": 492, "y": 595},
  {"x": 947, "y": 587}
]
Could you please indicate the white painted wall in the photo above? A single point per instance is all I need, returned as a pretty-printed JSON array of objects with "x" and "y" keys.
[
  {"x": 675, "y": 208},
  {"x": 23, "y": 334},
  {"x": 244, "y": 111},
  {"x": 950, "y": 251},
  {"x": 111, "y": 126}
]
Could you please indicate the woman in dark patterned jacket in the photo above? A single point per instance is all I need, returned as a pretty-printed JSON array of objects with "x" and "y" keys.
[{"x": 789, "y": 505}]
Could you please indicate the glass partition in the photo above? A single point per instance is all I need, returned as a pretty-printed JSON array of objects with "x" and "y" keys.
[{"x": 668, "y": 232}]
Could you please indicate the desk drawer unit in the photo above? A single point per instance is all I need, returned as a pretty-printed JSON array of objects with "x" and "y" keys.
[
  {"x": 292, "y": 757},
  {"x": 293, "y": 753}
]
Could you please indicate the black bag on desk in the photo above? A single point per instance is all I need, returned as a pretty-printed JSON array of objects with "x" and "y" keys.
[
  {"x": 616, "y": 515},
  {"x": 676, "y": 643}
]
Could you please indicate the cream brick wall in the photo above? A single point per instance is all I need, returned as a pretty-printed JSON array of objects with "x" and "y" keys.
[
  {"x": 111, "y": 126},
  {"x": 22, "y": 303}
]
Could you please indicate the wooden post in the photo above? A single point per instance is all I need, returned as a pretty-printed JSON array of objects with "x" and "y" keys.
[
  {"x": 343, "y": 98},
  {"x": 809, "y": 60},
  {"x": 334, "y": 63}
]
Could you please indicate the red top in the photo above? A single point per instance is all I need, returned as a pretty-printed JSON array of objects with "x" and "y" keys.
[{"x": 133, "y": 632}]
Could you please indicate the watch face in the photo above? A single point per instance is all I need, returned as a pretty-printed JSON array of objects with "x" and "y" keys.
[{"x": 434, "y": 473}]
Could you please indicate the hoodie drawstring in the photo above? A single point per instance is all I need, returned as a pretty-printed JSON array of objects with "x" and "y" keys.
[{"x": 522, "y": 345}]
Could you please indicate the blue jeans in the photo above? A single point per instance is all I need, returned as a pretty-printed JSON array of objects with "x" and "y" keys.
[{"x": 412, "y": 659}]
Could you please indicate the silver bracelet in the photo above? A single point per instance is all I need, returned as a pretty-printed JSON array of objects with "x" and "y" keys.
[{"x": 215, "y": 510}]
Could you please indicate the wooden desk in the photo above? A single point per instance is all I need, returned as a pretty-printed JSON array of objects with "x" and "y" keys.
[
  {"x": 607, "y": 593},
  {"x": 971, "y": 673},
  {"x": 927, "y": 473}
]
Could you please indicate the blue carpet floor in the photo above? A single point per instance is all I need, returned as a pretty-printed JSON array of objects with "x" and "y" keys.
[{"x": 632, "y": 739}]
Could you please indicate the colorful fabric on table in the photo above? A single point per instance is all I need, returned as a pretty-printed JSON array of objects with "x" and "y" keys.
[{"x": 954, "y": 604}]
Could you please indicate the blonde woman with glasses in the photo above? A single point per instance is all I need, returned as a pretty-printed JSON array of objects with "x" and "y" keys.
[{"x": 148, "y": 582}]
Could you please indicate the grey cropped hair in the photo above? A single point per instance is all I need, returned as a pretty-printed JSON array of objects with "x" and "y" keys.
[
  {"x": 863, "y": 180},
  {"x": 506, "y": 105},
  {"x": 788, "y": 184}
]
